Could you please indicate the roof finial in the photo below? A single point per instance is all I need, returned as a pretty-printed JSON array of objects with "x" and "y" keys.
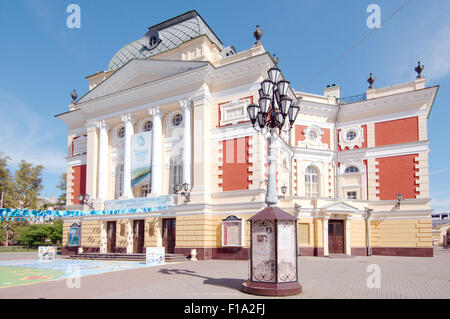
[
  {"x": 258, "y": 34},
  {"x": 371, "y": 80},
  {"x": 74, "y": 95},
  {"x": 419, "y": 68}
]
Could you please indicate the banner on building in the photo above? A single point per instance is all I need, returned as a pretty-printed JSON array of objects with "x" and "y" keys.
[
  {"x": 142, "y": 202},
  {"x": 141, "y": 155}
]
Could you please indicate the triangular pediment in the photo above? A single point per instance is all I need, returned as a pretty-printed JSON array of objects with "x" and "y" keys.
[
  {"x": 340, "y": 207},
  {"x": 138, "y": 72}
]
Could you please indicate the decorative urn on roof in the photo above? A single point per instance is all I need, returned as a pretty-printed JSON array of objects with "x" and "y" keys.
[
  {"x": 74, "y": 95},
  {"x": 419, "y": 68},
  {"x": 371, "y": 80},
  {"x": 258, "y": 34},
  {"x": 273, "y": 254}
]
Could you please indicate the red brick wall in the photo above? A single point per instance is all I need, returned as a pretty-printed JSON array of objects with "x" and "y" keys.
[
  {"x": 397, "y": 175},
  {"x": 79, "y": 182},
  {"x": 397, "y": 131},
  {"x": 235, "y": 173}
]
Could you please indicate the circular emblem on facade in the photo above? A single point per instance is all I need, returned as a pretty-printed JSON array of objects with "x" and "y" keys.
[{"x": 140, "y": 141}]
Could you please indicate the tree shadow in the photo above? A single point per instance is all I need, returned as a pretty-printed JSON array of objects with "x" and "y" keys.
[{"x": 232, "y": 283}]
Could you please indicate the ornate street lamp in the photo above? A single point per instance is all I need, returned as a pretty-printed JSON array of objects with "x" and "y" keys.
[
  {"x": 183, "y": 190},
  {"x": 85, "y": 200},
  {"x": 274, "y": 108},
  {"x": 273, "y": 245}
]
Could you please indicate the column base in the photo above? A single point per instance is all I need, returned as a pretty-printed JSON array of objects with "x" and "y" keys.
[{"x": 270, "y": 289}]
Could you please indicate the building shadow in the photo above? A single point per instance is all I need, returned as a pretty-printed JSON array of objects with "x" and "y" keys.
[{"x": 231, "y": 283}]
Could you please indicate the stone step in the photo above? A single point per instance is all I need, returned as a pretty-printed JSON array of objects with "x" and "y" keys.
[{"x": 123, "y": 256}]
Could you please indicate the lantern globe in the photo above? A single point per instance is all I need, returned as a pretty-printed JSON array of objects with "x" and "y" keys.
[{"x": 274, "y": 74}]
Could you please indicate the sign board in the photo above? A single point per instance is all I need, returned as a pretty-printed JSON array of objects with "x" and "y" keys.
[
  {"x": 47, "y": 253},
  {"x": 141, "y": 155},
  {"x": 287, "y": 252},
  {"x": 232, "y": 232},
  {"x": 263, "y": 251},
  {"x": 75, "y": 235},
  {"x": 155, "y": 255},
  {"x": 143, "y": 202}
]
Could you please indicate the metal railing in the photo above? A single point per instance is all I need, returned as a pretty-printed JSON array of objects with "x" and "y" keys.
[{"x": 353, "y": 99}]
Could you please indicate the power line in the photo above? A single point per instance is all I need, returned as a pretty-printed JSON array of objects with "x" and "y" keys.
[{"x": 357, "y": 43}]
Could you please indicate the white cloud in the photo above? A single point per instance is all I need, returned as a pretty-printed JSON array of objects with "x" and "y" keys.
[
  {"x": 26, "y": 135},
  {"x": 440, "y": 171}
]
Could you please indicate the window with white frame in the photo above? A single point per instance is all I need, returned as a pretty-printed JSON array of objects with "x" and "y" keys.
[
  {"x": 311, "y": 182},
  {"x": 119, "y": 181},
  {"x": 351, "y": 169},
  {"x": 176, "y": 173},
  {"x": 148, "y": 125},
  {"x": 79, "y": 145},
  {"x": 352, "y": 195}
]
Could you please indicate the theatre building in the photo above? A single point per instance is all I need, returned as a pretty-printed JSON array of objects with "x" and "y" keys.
[{"x": 161, "y": 149}]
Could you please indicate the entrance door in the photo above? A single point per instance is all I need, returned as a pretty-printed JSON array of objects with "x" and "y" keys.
[
  {"x": 169, "y": 235},
  {"x": 336, "y": 236},
  {"x": 138, "y": 236},
  {"x": 111, "y": 237}
]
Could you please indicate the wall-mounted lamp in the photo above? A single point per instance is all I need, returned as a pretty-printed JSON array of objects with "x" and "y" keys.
[
  {"x": 283, "y": 190},
  {"x": 86, "y": 200},
  {"x": 183, "y": 190},
  {"x": 399, "y": 199}
]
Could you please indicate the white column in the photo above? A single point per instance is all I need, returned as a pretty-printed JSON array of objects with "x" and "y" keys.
[
  {"x": 103, "y": 155},
  {"x": 157, "y": 149},
  {"x": 129, "y": 131},
  {"x": 187, "y": 141},
  {"x": 325, "y": 236}
]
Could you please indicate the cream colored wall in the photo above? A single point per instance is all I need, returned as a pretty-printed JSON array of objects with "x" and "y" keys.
[
  {"x": 358, "y": 232},
  {"x": 401, "y": 233},
  {"x": 309, "y": 222},
  {"x": 91, "y": 233}
]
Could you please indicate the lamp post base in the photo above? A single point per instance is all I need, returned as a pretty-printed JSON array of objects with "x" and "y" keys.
[{"x": 270, "y": 289}]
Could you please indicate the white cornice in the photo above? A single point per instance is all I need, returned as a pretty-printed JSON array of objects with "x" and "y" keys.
[{"x": 385, "y": 151}]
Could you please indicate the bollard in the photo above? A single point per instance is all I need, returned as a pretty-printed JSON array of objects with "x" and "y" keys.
[{"x": 193, "y": 254}]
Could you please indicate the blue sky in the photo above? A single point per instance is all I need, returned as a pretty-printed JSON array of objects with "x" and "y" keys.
[{"x": 41, "y": 60}]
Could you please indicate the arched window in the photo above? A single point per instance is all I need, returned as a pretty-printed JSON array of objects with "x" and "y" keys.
[
  {"x": 351, "y": 169},
  {"x": 311, "y": 182},
  {"x": 148, "y": 126},
  {"x": 176, "y": 173},
  {"x": 119, "y": 181}
]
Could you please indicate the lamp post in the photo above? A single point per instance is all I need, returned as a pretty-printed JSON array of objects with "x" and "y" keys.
[
  {"x": 269, "y": 117},
  {"x": 85, "y": 199},
  {"x": 183, "y": 190},
  {"x": 273, "y": 232}
]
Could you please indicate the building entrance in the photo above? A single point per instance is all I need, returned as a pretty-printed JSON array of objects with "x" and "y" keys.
[
  {"x": 111, "y": 237},
  {"x": 336, "y": 236},
  {"x": 138, "y": 236},
  {"x": 169, "y": 235}
]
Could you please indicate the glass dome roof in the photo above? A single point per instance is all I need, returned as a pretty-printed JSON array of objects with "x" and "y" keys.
[{"x": 172, "y": 33}]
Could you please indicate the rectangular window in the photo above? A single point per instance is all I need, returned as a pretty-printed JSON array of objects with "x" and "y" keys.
[
  {"x": 352, "y": 195},
  {"x": 145, "y": 190}
]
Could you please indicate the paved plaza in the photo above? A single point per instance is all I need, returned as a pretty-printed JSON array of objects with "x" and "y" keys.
[{"x": 400, "y": 277}]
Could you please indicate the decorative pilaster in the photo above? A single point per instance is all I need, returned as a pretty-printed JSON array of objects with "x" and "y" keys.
[
  {"x": 103, "y": 155},
  {"x": 325, "y": 236},
  {"x": 157, "y": 149},
  {"x": 129, "y": 131},
  {"x": 187, "y": 141},
  {"x": 348, "y": 241}
]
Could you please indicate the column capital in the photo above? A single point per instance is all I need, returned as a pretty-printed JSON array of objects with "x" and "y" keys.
[
  {"x": 102, "y": 125},
  {"x": 155, "y": 111},
  {"x": 90, "y": 126},
  {"x": 127, "y": 118},
  {"x": 186, "y": 104}
]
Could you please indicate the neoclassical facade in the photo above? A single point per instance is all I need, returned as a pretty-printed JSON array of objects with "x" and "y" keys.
[{"x": 354, "y": 171}]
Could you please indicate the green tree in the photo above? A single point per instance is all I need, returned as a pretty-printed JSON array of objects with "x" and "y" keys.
[
  {"x": 41, "y": 234},
  {"x": 62, "y": 185},
  {"x": 28, "y": 180},
  {"x": 7, "y": 187}
]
